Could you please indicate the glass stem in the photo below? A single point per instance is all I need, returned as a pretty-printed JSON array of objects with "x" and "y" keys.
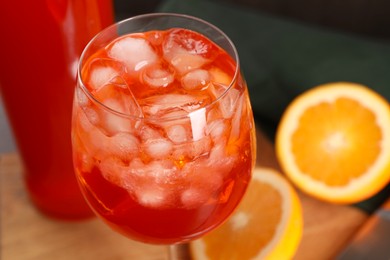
[{"x": 178, "y": 252}]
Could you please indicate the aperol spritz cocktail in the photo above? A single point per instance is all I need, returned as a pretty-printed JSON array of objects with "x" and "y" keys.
[{"x": 163, "y": 132}]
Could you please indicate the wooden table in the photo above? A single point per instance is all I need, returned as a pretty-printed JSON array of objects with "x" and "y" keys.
[{"x": 28, "y": 235}]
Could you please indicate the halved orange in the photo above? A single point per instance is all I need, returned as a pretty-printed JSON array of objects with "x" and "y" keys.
[
  {"x": 267, "y": 224},
  {"x": 333, "y": 142}
]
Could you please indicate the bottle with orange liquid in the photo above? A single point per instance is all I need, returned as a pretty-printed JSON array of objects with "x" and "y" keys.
[{"x": 40, "y": 47}]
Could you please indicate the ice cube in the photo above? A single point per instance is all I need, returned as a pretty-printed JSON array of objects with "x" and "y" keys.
[
  {"x": 154, "y": 183},
  {"x": 102, "y": 72},
  {"x": 218, "y": 152},
  {"x": 123, "y": 145},
  {"x": 163, "y": 172},
  {"x": 113, "y": 123},
  {"x": 158, "y": 148},
  {"x": 116, "y": 89},
  {"x": 236, "y": 120},
  {"x": 172, "y": 118},
  {"x": 86, "y": 162},
  {"x": 194, "y": 197},
  {"x": 82, "y": 157},
  {"x": 214, "y": 113},
  {"x": 186, "y": 62},
  {"x": 157, "y": 77},
  {"x": 153, "y": 197},
  {"x": 177, "y": 133},
  {"x": 186, "y": 52},
  {"x": 148, "y": 132},
  {"x": 220, "y": 77},
  {"x": 217, "y": 129},
  {"x": 190, "y": 42},
  {"x": 220, "y": 160},
  {"x": 202, "y": 174},
  {"x": 227, "y": 101},
  {"x": 159, "y": 105},
  {"x": 101, "y": 76},
  {"x": 93, "y": 140},
  {"x": 201, "y": 147},
  {"x": 136, "y": 53},
  {"x": 113, "y": 170},
  {"x": 174, "y": 125},
  {"x": 155, "y": 172},
  {"x": 196, "y": 79},
  {"x": 126, "y": 110},
  {"x": 87, "y": 118},
  {"x": 137, "y": 166},
  {"x": 82, "y": 98}
]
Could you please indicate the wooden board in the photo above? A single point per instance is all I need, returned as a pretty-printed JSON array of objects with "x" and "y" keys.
[{"x": 27, "y": 235}]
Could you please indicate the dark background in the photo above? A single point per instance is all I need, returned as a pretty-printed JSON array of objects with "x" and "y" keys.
[{"x": 369, "y": 18}]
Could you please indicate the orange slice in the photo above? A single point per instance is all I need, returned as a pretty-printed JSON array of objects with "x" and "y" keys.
[
  {"x": 266, "y": 225},
  {"x": 333, "y": 142}
]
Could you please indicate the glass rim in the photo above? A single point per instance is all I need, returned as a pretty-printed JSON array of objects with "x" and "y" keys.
[{"x": 151, "y": 15}]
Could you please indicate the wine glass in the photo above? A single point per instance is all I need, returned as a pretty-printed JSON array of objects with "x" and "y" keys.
[{"x": 162, "y": 130}]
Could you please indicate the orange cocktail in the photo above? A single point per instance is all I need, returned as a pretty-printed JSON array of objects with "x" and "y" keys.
[{"x": 163, "y": 133}]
